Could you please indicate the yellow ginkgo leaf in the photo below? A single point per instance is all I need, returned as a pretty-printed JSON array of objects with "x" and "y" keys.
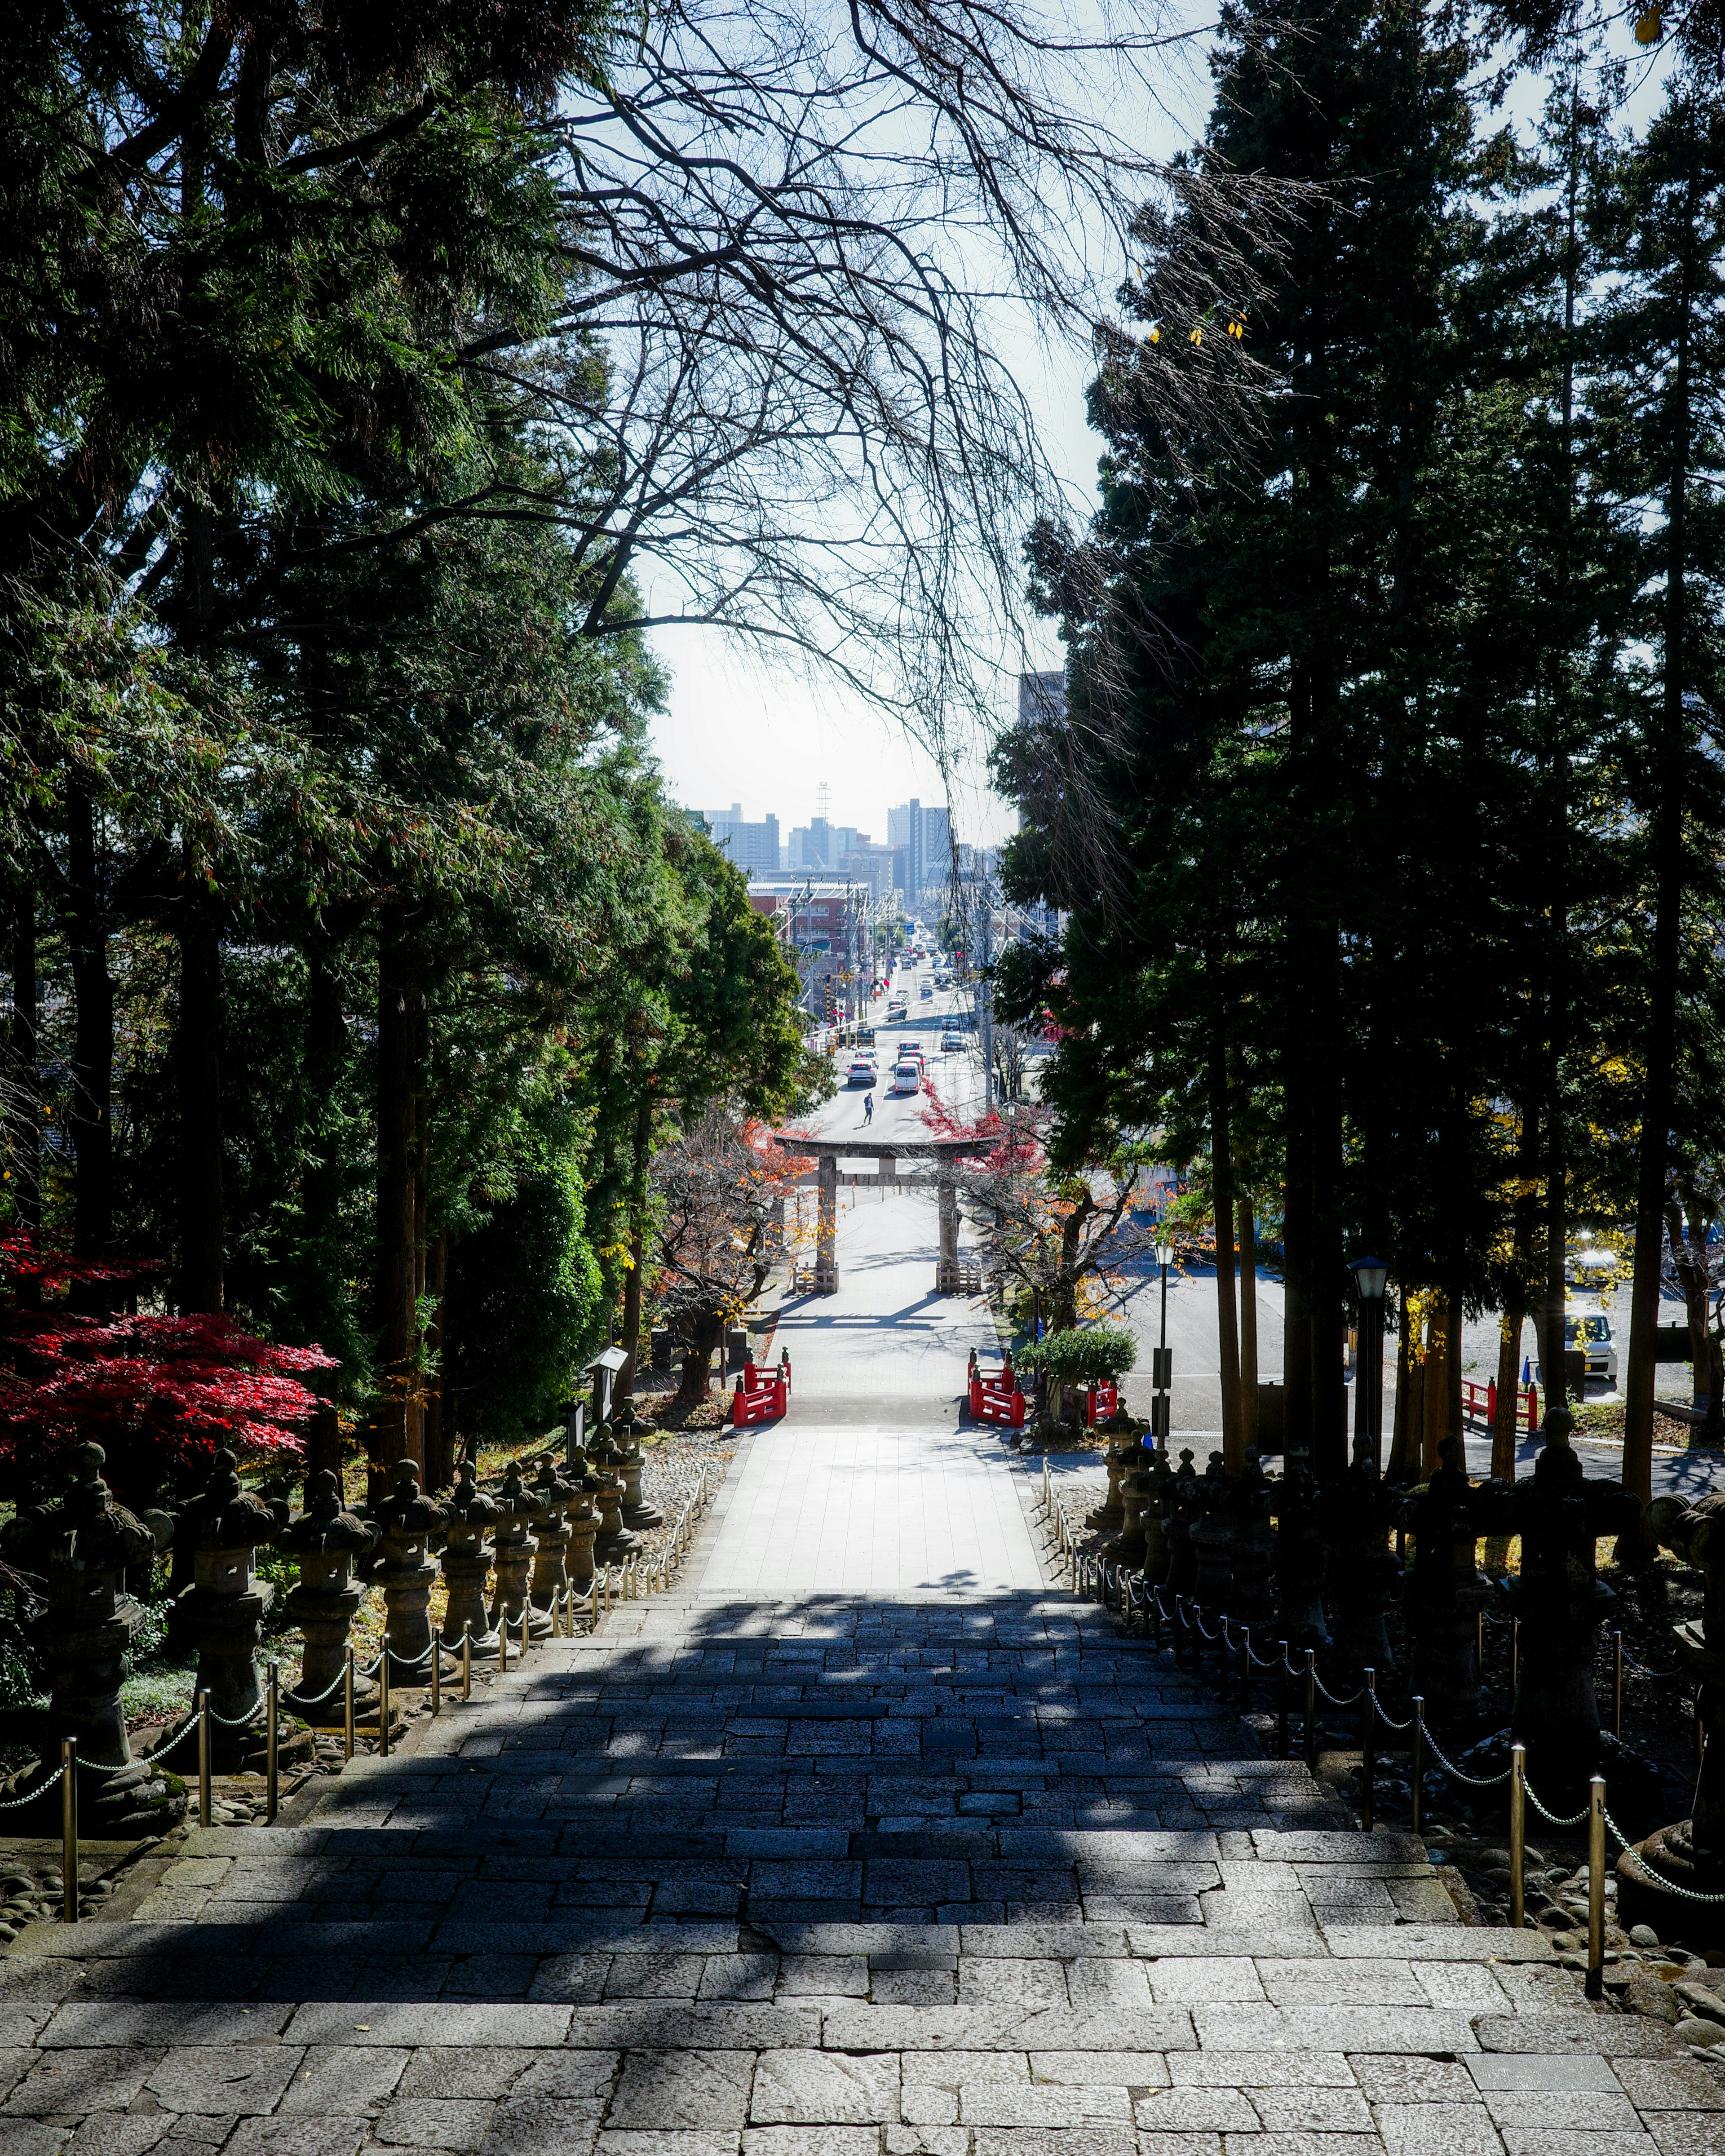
[
  {"x": 1650, "y": 29},
  {"x": 1156, "y": 337},
  {"x": 1197, "y": 336}
]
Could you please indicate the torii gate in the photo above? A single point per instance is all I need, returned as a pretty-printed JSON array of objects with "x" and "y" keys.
[{"x": 888, "y": 1152}]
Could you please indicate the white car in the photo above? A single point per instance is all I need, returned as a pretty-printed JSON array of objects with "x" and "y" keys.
[
  {"x": 906, "y": 1078},
  {"x": 862, "y": 1071},
  {"x": 1590, "y": 1331},
  {"x": 950, "y": 1042}
]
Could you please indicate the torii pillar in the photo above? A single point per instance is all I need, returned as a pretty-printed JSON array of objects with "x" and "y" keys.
[
  {"x": 826, "y": 1228},
  {"x": 946, "y": 1270}
]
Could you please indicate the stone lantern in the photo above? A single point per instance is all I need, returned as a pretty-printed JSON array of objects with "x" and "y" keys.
[
  {"x": 1182, "y": 1514},
  {"x": 1364, "y": 1571},
  {"x": 1253, "y": 1550},
  {"x": 1300, "y": 1558},
  {"x": 1111, "y": 1511},
  {"x": 1559, "y": 1513},
  {"x": 1155, "y": 1483},
  {"x": 405, "y": 1570},
  {"x": 613, "y": 1540},
  {"x": 222, "y": 1613},
  {"x": 1211, "y": 1536},
  {"x": 512, "y": 1551},
  {"x": 551, "y": 1497},
  {"x": 1692, "y": 1853},
  {"x": 582, "y": 1518},
  {"x": 467, "y": 1563},
  {"x": 637, "y": 1514},
  {"x": 1446, "y": 1590},
  {"x": 326, "y": 1540},
  {"x": 1129, "y": 1544},
  {"x": 83, "y": 1547}
]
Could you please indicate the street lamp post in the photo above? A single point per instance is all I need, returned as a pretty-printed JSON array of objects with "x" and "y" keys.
[
  {"x": 1162, "y": 1361},
  {"x": 1370, "y": 1276}
]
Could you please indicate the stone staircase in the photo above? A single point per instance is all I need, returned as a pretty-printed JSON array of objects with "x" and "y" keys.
[{"x": 912, "y": 1877}]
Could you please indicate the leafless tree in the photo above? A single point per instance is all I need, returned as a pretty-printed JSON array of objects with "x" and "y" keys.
[{"x": 714, "y": 1193}]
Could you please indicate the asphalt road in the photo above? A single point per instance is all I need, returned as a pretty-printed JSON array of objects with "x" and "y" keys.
[{"x": 957, "y": 1077}]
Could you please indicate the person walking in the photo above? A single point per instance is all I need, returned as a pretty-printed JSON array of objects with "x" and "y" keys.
[{"x": 868, "y": 1107}]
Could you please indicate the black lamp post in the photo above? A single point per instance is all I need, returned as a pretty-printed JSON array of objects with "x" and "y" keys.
[
  {"x": 1370, "y": 1277},
  {"x": 1162, "y": 1361}
]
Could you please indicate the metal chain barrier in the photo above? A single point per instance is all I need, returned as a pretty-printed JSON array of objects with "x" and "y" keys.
[
  {"x": 1646, "y": 1871},
  {"x": 1473, "y": 1781}
]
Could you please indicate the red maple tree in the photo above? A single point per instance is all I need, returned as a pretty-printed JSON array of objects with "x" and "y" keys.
[{"x": 158, "y": 1395}]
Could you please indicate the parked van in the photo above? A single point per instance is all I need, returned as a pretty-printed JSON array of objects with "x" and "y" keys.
[
  {"x": 906, "y": 1078},
  {"x": 1590, "y": 1331}
]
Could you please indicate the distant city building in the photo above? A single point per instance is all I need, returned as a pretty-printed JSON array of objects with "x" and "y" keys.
[
  {"x": 751, "y": 846},
  {"x": 1041, "y": 696},
  {"x": 922, "y": 836},
  {"x": 827, "y": 932}
]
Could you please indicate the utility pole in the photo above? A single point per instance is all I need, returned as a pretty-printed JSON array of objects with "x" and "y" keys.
[{"x": 985, "y": 992}]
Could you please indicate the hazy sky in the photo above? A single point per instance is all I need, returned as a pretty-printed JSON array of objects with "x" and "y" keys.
[{"x": 739, "y": 730}]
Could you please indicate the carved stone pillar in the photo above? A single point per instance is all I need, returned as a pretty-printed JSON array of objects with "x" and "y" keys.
[
  {"x": 1447, "y": 1590},
  {"x": 826, "y": 1230},
  {"x": 638, "y": 1514},
  {"x": 613, "y": 1540},
  {"x": 406, "y": 1573},
  {"x": 1212, "y": 1534},
  {"x": 512, "y": 1549},
  {"x": 467, "y": 1564},
  {"x": 325, "y": 1541},
  {"x": 584, "y": 1521},
  {"x": 221, "y": 1615},
  {"x": 550, "y": 1496},
  {"x": 80, "y": 1547}
]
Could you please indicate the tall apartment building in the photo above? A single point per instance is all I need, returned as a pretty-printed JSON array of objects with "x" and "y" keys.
[
  {"x": 923, "y": 836},
  {"x": 751, "y": 846}
]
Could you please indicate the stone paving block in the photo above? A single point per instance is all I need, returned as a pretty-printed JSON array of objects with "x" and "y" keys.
[
  {"x": 654, "y": 1976},
  {"x": 123, "y": 2132},
  {"x": 810, "y": 2141},
  {"x": 1590, "y": 2111},
  {"x": 1557, "y": 2072},
  {"x": 1254, "y": 2069},
  {"x": 1403, "y": 2080},
  {"x": 816, "y": 2087},
  {"x": 1196, "y": 2111},
  {"x": 1184, "y": 2144},
  {"x": 738, "y": 1976},
  {"x": 83, "y": 2079},
  {"x": 1436, "y": 2129},
  {"x": 579, "y": 1980},
  {"x": 683, "y": 2090},
  {"x": 1103, "y": 1982},
  {"x": 1027, "y": 1983},
  {"x": 222, "y": 2077},
  {"x": 613, "y": 2142},
  {"x": 1207, "y": 1979},
  {"x": 162, "y": 2022},
  {"x": 1611, "y": 2036},
  {"x": 31, "y": 2137},
  {"x": 1135, "y": 2070},
  {"x": 1003, "y": 2029},
  {"x": 1683, "y": 2132},
  {"x": 913, "y": 1987},
  {"x": 825, "y": 1975},
  {"x": 430, "y": 2122},
  {"x": 1089, "y": 2140},
  {"x": 339, "y": 2082},
  {"x": 403, "y": 2022},
  {"x": 544, "y": 2126},
  {"x": 1345, "y": 1983},
  {"x": 1063, "y": 2104},
  {"x": 1243, "y": 2028},
  {"x": 1681, "y": 2085},
  {"x": 1312, "y": 2110},
  {"x": 1536, "y": 2141},
  {"x": 329, "y": 2135}
]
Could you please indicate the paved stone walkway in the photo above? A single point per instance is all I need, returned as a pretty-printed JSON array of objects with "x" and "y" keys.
[{"x": 823, "y": 1874}]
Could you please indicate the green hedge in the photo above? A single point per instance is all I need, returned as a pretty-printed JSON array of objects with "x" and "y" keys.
[{"x": 1082, "y": 1355}]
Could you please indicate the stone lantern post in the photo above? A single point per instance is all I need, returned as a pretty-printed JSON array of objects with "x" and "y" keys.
[
  {"x": 512, "y": 1551},
  {"x": 1212, "y": 1535},
  {"x": 1692, "y": 1853},
  {"x": 551, "y": 1497},
  {"x": 1300, "y": 1558},
  {"x": 1253, "y": 1550},
  {"x": 1447, "y": 1590},
  {"x": 583, "y": 1520},
  {"x": 1118, "y": 1457},
  {"x": 614, "y": 1541},
  {"x": 82, "y": 1547},
  {"x": 638, "y": 1515},
  {"x": 1129, "y": 1545},
  {"x": 1182, "y": 1515},
  {"x": 467, "y": 1563},
  {"x": 222, "y": 1613},
  {"x": 1560, "y": 1600},
  {"x": 1363, "y": 1571},
  {"x": 326, "y": 1540},
  {"x": 1155, "y": 1481},
  {"x": 406, "y": 1571}
]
